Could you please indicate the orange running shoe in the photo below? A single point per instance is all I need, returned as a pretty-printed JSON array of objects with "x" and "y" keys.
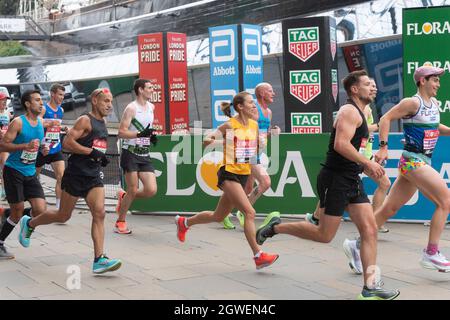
[
  {"x": 265, "y": 260},
  {"x": 181, "y": 228},
  {"x": 121, "y": 227},
  {"x": 120, "y": 194}
]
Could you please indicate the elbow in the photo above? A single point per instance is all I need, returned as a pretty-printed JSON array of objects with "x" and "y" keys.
[
  {"x": 121, "y": 134},
  {"x": 338, "y": 146}
]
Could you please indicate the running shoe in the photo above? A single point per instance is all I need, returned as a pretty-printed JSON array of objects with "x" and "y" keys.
[
  {"x": 120, "y": 194},
  {"x": 105, "y": 264},
  {"x": 265, "y": 260},
  {"x": 241, "y": 218},
  {"x": 352, "y": 253},
  {"x": 311, "y": 219},
  {"x": 121, "y": 227},
  {"x": 25, "y": 231},
  {"x": 436, "y": 261},
  {"x": 5, "y": 254},
  {"x": 266, "y": 229},
  {"x": 269, "y": 217},
  {"x": 227, "y": 224},
  {"x": 181, "y": 228},
  {"x": 378, "y": 293},
  {"x": 383, "y": 229}
]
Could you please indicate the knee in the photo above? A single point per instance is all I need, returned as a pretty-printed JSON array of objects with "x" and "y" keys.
[
  {"x": 150, "y": 192},
  {"x": 58, "y": 176},
  {"x": 445, "y": 204},
  {"x": 98, "y": 215},
  {"x": 250, "y": 214},
  {"x": 62, "y": 218},
  {"x": 384, "y": 185},
  {"x": 132, "y": 191},
  {"x": 265, "y": 184},
  {"x": 369, "y": 232},
  {"x": 325, "y": 238}
]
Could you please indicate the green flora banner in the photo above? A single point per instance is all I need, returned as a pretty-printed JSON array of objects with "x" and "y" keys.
[
  {"x": 187, "y": 173},
  {"x": 426, "y": 41}
]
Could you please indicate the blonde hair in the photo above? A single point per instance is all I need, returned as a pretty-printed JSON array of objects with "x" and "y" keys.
[{"x": 238, "y": 99}]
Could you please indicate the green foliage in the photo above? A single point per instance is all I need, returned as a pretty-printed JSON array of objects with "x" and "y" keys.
[
  {"x": 12, "y": 48},
  {"x": 9, "y": 7}
]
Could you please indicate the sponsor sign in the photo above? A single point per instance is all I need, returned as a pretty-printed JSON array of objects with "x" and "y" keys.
[
  {"x": 305, "y": 84},
  {"x": 304, "y": 42},
  {"x": 308, "y": 122},
  {"x": 252, "y": 58}
]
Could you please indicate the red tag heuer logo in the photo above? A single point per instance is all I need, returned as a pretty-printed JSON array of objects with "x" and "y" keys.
[
  {"x": 304, "y": 42},
  {"x": 305, "y": 84}
]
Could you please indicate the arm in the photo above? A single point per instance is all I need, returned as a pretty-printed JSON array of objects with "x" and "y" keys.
[
  {"x": 444, "y": 130},
  {"x": 7, "y": 145},
  {"x": 406, "y": 107},
  {"x": 212, "y": 138},
  {"x": 81, "y": 127},
  {"x": 125, "y": 122}
]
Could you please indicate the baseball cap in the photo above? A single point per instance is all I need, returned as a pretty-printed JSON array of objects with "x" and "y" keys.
[
  {"x": 3, "y": 95},
  {"x": 426, "y": 71}
]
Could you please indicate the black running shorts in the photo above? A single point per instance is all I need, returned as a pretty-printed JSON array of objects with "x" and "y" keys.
[
  {"x": 223, "y": 175},
  {"x": 79, "y": 186},
  {"x": 41, "y": 160},
  {"x": 19, "y": 188},
  {"x": 338, "y": 189},
  {"x": 130, "y": 162}
]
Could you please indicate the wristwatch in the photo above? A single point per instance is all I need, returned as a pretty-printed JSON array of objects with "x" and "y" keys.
[{"x": 383, "y": 143}]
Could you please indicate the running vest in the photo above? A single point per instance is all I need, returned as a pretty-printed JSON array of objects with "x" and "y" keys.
[
  {"x": 263, "y": 122},
  {"x": 24, "y": 161},
  {"x": 142, "y": 118},
  {"x": 4, "y": 121},
  {"x": 83, "y": 165},
  {"x": 53, "y": 134},
  {"x": 241, "y": 147},
  {"x": 368, "y": 151},
  {"x": 335, "y": 161},
  {"x": 422, "y": 129}
]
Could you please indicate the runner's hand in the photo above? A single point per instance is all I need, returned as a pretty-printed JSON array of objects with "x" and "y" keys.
[
  {"x": 153, "y": 139},
  {"x": 99, "y": 156},
  {"x": 45, "y": 149},
  {"x": 382, "y": 155},
  {"x": 374, "y": 169},
  {"x": 275, "y": 130},
  {"x": 146, "y": 133},
  {"x": 33, "y": 145}
]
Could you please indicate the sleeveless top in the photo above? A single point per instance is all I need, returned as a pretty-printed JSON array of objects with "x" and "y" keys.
[
  {"x": 368, "y": 151},
  {"x": 241, "y": 147},
  {"x": 53, "y": 134},
  {"x": 142, "y": 118},
  {"x": 83, "y": 165},
  {"x": 263, "y": 121},
  {"x": 21, "y": 160},
  {"x": 422, "y": 129},
  {"x": 335, "y": 161}
]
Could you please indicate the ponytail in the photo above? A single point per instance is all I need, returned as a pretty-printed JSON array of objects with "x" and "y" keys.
[{"x": 226, "y": 108}]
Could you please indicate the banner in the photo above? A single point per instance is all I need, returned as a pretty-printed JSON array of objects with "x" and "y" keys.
[
  {"x": 426, "y": 41},
  {"x": 310, "y": 73},
  {"x": 177, "y": 82},
  {"x": 151, "y": 67},
  {"x": 224, "y": 69},
  {"x": 353, "y": 58},
  {"x": 187, "y": 175},
  {"x": 384, "y": 64},
  {"x": 252, "y": 57}
]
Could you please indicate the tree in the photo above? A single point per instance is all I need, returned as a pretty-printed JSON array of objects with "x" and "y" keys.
[{"x": 9, "y": 7}]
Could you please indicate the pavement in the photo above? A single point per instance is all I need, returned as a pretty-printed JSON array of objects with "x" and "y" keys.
[{"x": 213, "y": 263}]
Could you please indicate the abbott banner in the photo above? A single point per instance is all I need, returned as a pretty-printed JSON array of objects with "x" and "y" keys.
[
  {"x": 236, "y": 64},
  {"x": 426, "y": 41}
]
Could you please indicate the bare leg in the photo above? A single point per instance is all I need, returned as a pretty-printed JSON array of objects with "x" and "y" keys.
[{"x": 96, "y": 203}]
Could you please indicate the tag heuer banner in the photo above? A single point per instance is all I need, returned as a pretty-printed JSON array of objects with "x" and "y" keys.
[
  {"x": 426, "y": 41},
  {"x": 310, "y": 73}
]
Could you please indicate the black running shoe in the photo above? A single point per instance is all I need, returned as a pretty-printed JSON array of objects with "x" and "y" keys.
[{"x": 378, "y": 293}]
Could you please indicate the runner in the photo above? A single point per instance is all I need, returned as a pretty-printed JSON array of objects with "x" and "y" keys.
[
  {"x": 22, "y": 140},
  {"x": 135, "y": 130},
  {"x": 340, "y": 187},
  {"x": 421, "y": 127},
  {"x": 264, "y": 96},
  {"x": 52, "y": 114},
  {"x": 87, "y": 141},
  {"x": 5, "y": 118},
  {"x": 240, "y": 135}
]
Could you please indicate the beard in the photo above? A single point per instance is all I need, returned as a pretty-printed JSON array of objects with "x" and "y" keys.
[{"x": 366, "y": 100}]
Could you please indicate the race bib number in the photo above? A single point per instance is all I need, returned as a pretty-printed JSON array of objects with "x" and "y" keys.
[
  {"x": 100, "y": 145},
  {"x": 362, "y": 147},
  {"x": 430, "y": 139},
  {"x": 52, "y": 134},
  {"x": 143, "y": 141},
  {"x": 245, "y": 150},
  {"x": 28, "y": 157}
]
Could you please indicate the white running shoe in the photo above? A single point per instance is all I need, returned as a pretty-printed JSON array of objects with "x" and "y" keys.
[
  {"x": 437, "y": 261},
  {"x": 352, "y": 253}
]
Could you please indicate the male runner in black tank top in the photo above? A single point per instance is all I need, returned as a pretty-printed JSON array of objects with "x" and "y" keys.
[
  {"x": 340, "y": 188},
  {"x": 87, "y": 141}
]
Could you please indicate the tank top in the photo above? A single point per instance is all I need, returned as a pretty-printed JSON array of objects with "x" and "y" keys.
[
  {"x": 368, "y": 151},
  {"x": 143, "y": 117},
  {"x": 241, "y": 147},
  {"x": 335, "y": 161},
  {"x": 83, "y": 165},
  {"x": 53, "y": 134},
  {"x": 263, "y": 121},
  {"x": 21, "y": 160},
  {"x": 4, "y": 121},
  {"x": 422, "y": 129}
]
